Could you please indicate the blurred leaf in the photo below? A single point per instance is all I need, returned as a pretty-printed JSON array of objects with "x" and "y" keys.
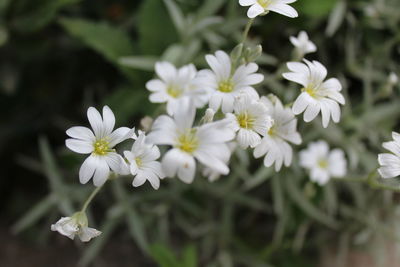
[
  {"x": 189, "y": 258},
  {"x": 301, "y": 201},
  {"x": 163, "y": 256},
  {"x": 111, "y": 42},
  {"x": 146, "y": 63},
  {"x": 176, "y": 15},
  {"x": 315, "y": 8},
  {"x": 336, "y": 18},
  {"x": 210, "y": 7},
  {"x": 37, "y": 211},
  {"x": 97, "y": 244},
  {"x": 39, "y": 14},
  {"x": 155, "y": 34}
]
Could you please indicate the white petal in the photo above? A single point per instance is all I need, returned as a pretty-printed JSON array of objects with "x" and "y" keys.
[
  {"x": 87, "y": 169},
  {"x": 108, "y": 120},
  {"x": 79, "y": 146},
  {"x": 284, "y": 9},
  {"x": 176, "y": 162},
  {"x": 312, "y": 112},
  {"x": 86, "y": 234},
  {"x": 301, "y": 103},
  {"x": 82, "y": 133},
  {"x": 155, "y": 86},
  {"x": 255, "y": 10},
  {"x": 96, "y": 122},
  {"x": 120, "y": 135},
  {"x": 102, "y": 172},
  {"x": 247, "y": 2},
  {"x": 166, "y": 71},
  {"x": 116, "y": 163}
]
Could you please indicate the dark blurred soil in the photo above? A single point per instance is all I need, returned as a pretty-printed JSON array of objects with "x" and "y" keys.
[{"x": 15, "y": 252}]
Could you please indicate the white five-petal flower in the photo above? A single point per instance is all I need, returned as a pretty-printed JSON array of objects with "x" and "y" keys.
[
  {"x": 259, "y": 7},
  {"x": 224, "y": 84},
  {"x": 175, "y": 84},
  {"x": 143, "y": 164},
  {"x": 206, "y": 143},
  {"x": 303, "y": 44},
  {"x": 275, "y": 143},
  {"x": 76, "y": 225},
  {"x": 250, "y": 120},
  {"x": 99, "y": 143},
  {"x": 322, "y": 163},
  {"x": 390, "y": 162},
  {"x": 317, "y": 95}
]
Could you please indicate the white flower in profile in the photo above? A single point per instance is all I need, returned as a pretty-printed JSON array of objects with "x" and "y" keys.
[
  {"x": 99, "y": 143},
  {"x": 77, "y": 225},
  {"x": 175, "y": 84},
  {"x": 303, "y": 44},
  {"x": 390, "y": 162},
  {"x": 317, "y": 95},
  {"x": 250, "y": 120},
  {"x": 143, "y": 164},
  {"x": 322, "y": 163},
  {"x": 224, "y": 84},
  {"x": 275, "y": 143},
  {"x": 206, "y": 143},
  {"x": 260, "y": 7}
]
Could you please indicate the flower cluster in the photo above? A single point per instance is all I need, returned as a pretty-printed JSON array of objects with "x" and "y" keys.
[{"x": 237, "y": 117}]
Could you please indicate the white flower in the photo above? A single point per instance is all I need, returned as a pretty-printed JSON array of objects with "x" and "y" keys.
[
  {"x": 260, "y": 7},
  {"x": 390, "y": 162},
  {"x": 175, "y": 84},
  {"x": 275, "y": 144},
  {"x": 303, "y": 44},
  {"x": 317, "y": 95},
  {"x": 75, "y": 225},
  {"x": 322, "y": 163},
  {"x": 143, "y": 163},
  {"x": 206, "y": 143},
  {"x": 393, "y": 78},
  {"x": 250, "y": 120},
  {"x": 225, "y": 84},
  {"x": 99, "y": 144}
]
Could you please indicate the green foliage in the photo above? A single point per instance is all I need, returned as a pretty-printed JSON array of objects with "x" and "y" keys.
[{"x": 165, "y": 257}]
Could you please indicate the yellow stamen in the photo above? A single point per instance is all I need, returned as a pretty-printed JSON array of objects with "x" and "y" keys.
[
  {"x": 310, "y": 89},
  {"x": 323, "y": 163},
  {"x": 264, "y": 3},
  {"x": 174, "y": 92},
  {"x": 225, "y": 86},
  {"x": 188, "y": 141},
  {"x": 272, "y": 130},
  {"x": 139, "y": 162},
  {"x": 245, "y": 120},
  {"x": 101, "y": 147}
]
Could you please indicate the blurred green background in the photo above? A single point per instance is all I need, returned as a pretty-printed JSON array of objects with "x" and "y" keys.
[{"x": 58, "y": 57}]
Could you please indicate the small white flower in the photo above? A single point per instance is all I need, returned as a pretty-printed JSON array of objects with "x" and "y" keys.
[
  {"x": 143, "y": 163},
  {"x": 260, "y": 7},
  {"x": 317, "y": 95},
  {"x": 275, "y": 144},
  {"x": 225, "y": 84},
  {"x": 250, "y": 120},
  {"x": 206, "y": 143},
  {"x": 393, "y": 78},
  {"x": 99, "y": 143},
  {"x": 390, "y": 162},
  {"x": 75, "y": 225},
  {"x": 322, "y": 163},
  {"x": 175, "y": 84},
  {"x": 303, "y": 44}
]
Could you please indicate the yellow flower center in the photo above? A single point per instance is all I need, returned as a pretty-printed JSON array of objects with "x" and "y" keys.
[
  {"x": 264, "y": 3},
  {"x": 101, "y": 147},
  {"x": 188, "y": 141},
  {"x": 138, "y": 161},
  {"x": 245, "y": 120},
  {"x": 272, "y": 130},
  {"x": 225, "y": 86},
  {"x": 323, "y": 164},
  {"x": 174, "y": 92},
  {"x": 310, "y": 89}
]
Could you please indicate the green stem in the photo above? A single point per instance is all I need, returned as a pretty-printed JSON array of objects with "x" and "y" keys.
[
  {"x": 90, "y": 198},
  {"x": 246, "y": 30}
]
